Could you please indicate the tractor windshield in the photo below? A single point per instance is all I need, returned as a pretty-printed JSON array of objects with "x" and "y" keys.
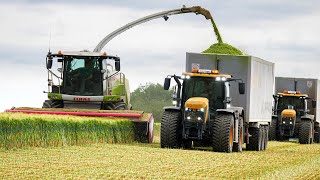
[
  {"x": 290, "y": 102},
  {"x": 82, "y": 76},
  {"x": 204, "y": 87}
]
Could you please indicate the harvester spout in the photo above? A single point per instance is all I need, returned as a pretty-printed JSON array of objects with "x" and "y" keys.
[{"x": 197, "y": 10}]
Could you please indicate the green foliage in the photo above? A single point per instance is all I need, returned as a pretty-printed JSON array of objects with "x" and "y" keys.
[
  {"x": 21, "y": 130},
  {"x": 151, "y": 98},
  {"x": 223, "y": 48}
]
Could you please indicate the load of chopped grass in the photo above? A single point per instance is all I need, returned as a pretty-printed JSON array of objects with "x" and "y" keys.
[
  {"x": 19, "y": 130},
  {"x": 223, "y": 48}
]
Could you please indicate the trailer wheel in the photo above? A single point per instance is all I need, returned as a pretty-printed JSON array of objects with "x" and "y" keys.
[
  {"x": 255, "y": 141},
  {"x": 237, "y": 147},
  {"x": 266, "y": 131},
  {"x": 170, "y": 134},
  {"x": 222, "y": 133},
  {"x": 317, "y": 133},
  {"x": 120, "y": 106},
  {"x": 306, "y": 132},
  {"x": 273, "y": 129}
]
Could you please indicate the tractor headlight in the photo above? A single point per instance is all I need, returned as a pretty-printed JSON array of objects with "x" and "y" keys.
[
  {"x": 188, "y": 117},
  {"x": 202, "y": 109},
  {"x": 199, "y": 118},
  {"x": 174, "y": 102},
  {"x": 194, "y": 116}
]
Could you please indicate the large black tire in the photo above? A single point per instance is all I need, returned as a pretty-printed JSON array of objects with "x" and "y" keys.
[
  {"x": 222, "y": 133},
  {"x": 306, "y": 132},
  {"x": 273, "y": 130},
  {"x": 120, "y": 106},
  {"x": 266, "y": 130},
  {"x": 52, "y": 104},
  {"x": 237, "y": 147},
  {"x": 317, "y": 133},
  {"x": 170, "y": 134},
  {"x": 255, "y": 141}
]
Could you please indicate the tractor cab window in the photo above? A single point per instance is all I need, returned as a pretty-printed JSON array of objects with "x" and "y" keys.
[
  {"x": 82, "y": 76},
  {"x": 205, "y": 87},
  {"x": 291, "y": 102}
]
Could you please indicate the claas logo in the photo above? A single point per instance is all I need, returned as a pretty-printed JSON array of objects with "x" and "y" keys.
[{"x": 81, "y": 99}]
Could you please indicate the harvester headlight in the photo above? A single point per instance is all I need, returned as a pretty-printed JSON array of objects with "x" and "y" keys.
[
  {"x": 218, "y": 78},
  {"x": 188, "y": 117},
  {"x": 199, "y": 118},
  {"x": 174, "y": 102},
  {"x": 202, "y": 109}
]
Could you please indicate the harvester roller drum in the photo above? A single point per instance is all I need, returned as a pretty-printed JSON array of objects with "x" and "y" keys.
[
  {"x": 170, "y": 135},
  {"x": 222, "y": 133},
  {"x": 237, "y": 147},
  {"x": 306, "y": 132}
]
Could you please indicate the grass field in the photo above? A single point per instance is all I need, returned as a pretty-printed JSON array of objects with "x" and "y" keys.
[{"x": 282, "y": 160}]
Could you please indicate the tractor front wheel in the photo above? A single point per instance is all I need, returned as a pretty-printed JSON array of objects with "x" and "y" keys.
[
  {"x": 170, "y": 134},
  {"x": 222, "y": 133},
  {"x": 306, "y": 132}
]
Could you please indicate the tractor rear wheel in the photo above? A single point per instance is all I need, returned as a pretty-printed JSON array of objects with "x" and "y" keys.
[
  {"x": 306, "y": 132},
  {"x": 255, "y": 141},
  {"x": 317, "y": 133},
  {"x": 273, "y": 129},
  {"x": 237, "y": 147},
  {"x": 222, "y": 133},
  {"x": 170, "y": 134}
]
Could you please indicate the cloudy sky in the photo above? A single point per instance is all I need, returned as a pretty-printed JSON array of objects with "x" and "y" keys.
[{"x": 284, "y": 32}]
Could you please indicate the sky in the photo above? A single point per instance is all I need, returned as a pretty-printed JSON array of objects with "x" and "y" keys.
[{"x": 284, "y": 32}]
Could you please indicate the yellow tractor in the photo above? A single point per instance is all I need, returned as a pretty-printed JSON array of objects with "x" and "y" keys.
[
  {"x": 291, "y": 118},
  {"x": 203, "y": 114}
]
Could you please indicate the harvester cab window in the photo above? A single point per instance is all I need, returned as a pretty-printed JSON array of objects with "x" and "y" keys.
[
  {"x": 205, "y": 87},
  {"x": 83, "y": 76}
]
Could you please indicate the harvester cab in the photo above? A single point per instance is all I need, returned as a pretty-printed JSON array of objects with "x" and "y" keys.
[
  {"x": 202, "y": 112},
  {"x": 86, "y": 80},
  {"x": 291, "y": 115}
]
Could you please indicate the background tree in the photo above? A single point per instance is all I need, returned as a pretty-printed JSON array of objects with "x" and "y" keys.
[{"x": 151, "y": 98}]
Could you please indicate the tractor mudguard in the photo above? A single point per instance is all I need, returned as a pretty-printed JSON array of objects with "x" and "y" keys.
[{"x": 171, "y": 108}]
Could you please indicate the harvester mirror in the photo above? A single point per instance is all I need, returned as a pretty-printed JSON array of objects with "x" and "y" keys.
[
  {"x": 242, "y": 88},
  {"x": 117, "y": 65},
  {"x": 166, "y": 85},
  {"x": 314, "y": 104},
  {"x": 59, "y": 70},
  {"x": 49, "y": 62}
]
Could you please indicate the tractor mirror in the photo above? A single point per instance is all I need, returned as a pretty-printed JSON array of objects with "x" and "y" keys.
[
  {"x": 117, "y": 65},
  {"x": 166, "y": 85},
  {"x": 49, "y": 62},
  {"x": 242, "y": 88},
  {"x": 314, "y": 104},
  {"x": 59, "y": 70}
]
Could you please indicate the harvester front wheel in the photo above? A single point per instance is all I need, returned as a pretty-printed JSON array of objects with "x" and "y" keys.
[
  {"x": 306, "y": 132},
  {"x": 237, "y": 147},
  {"x": 120, "y": 106},
  {"x": 170, "y": 134},
  {"x": 273, "y": 130},
  {"x": 52, "y": 104},
  {"x": 255, "y": 141},
  {"x": 222, "y": 133}
]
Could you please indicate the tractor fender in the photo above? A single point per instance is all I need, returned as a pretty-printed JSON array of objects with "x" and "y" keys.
[
  {"x": 307, "y": 117},
  {"x": 236, "y": 111},
  {"x": 168, "y": 108}
]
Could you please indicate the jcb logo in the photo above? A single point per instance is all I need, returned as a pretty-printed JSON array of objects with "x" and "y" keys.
[{"x": 81, "y": 99}]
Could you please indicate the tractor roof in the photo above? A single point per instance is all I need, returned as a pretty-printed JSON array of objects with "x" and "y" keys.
[
  {"x": 81, "y": 53},
  {"x": 209, "y": 75},
  {"x": 292, "y": 94}
]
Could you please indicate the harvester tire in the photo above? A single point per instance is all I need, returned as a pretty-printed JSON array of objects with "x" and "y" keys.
[
  {"x": 170, "y": 134},
  {"x": 317, "y": 134},
  {"x": 46, "y": 104},
  {"x": 255, "y": 141},
  {"x": 273, "y": 130},
  {"x": 120, "y": 106},
  {"x": 306, "y": 132},
  {"x": 237, "y": 147},
  {"x": 222, "y": 133},
  {"x": 52, "y": 104}
]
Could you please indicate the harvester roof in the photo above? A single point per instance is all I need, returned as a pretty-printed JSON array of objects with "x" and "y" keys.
[
  {"x": 292, "y": 93},
  {"x": 206, "y": 73}
]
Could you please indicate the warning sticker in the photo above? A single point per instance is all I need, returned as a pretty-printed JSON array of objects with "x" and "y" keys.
[{"x": 309, "y": 84}]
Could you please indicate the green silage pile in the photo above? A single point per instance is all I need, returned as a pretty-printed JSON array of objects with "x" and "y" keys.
[
  {"x": 221, "y": 47},
  {"x": 19, "y": 130}
]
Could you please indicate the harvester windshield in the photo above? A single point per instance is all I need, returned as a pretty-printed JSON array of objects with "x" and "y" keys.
[
  {"x": 205, "y": 87},
  {"x": 83, "y": 76}
]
